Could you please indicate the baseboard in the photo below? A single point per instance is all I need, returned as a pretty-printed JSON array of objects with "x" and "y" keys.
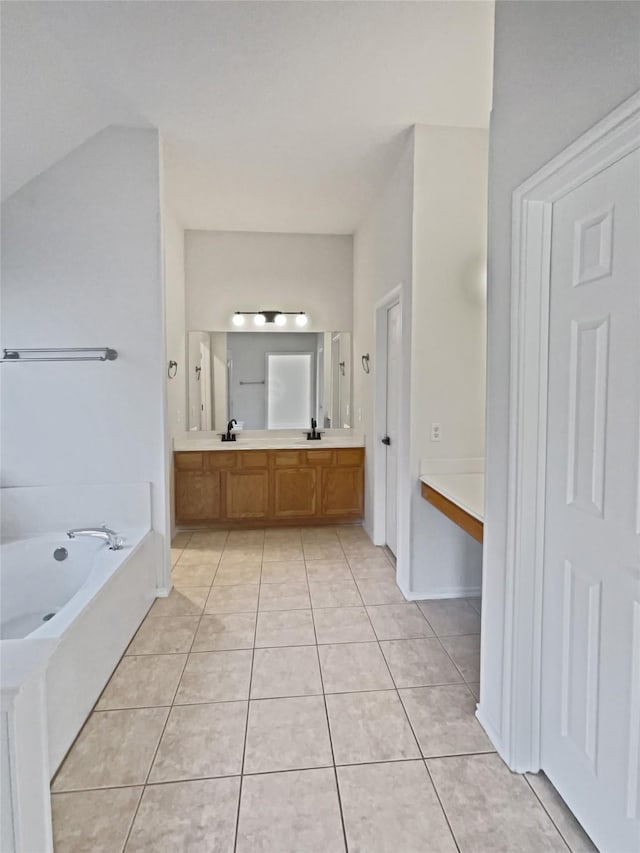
[
  {"x": 163, "y": 591},
  {"x": 451, "y": 592},
  {"x": 491, "y": 733}
]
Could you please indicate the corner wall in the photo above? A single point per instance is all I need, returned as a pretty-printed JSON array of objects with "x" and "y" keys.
[
  {"x": 81, "y": 266},
  {"x": 559, "y": 68}
]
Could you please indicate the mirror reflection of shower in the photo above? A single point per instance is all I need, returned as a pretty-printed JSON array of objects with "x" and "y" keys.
[{"x": 269, "y": 380}]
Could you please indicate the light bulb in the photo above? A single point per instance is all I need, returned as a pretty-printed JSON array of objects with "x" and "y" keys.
[
  {"x": 280, "y": 320},
  {"x": 259, "y": 320},
  {"x": 301, "y": 319},
  {"x": 238, "y": 319}
]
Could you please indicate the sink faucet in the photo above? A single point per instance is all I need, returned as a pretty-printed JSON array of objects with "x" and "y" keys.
[
  {"x": 315, "y": 434},
  {"x": 110, "y": 536},
  {"x": 230, "y": 436}
]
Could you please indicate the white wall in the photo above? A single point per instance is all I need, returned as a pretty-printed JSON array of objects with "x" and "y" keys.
[
  {"x": 236, "y": 271},
  {"x": 559, "y": 68},
  {"x": 81, "y": 266},
  {"x": 448, "y": 343},
  {"x": 382, "y": 261},
  {"x": 174, "y": 308}
]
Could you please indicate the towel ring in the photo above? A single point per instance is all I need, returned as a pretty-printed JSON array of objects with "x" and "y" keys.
[
  {"x": 365, "y": 363},
  {"x": 173, "y": 369}
]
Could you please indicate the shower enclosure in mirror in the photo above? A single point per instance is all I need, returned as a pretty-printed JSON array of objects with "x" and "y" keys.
[{"x": 269, "y": 380}]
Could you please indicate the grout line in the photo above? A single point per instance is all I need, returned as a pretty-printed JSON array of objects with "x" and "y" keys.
[
  {"x": 164, "y": 728},
  {"x": 550, "y": 816}
]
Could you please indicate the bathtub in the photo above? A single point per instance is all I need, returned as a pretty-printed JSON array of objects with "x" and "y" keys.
[{"x": 88, "y": 602}]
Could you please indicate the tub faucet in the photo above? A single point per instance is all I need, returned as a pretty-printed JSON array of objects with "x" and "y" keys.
[{"x": 115, "y": 542}]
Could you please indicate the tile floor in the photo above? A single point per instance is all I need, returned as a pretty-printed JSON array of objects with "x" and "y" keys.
[{"x": 286, "y": 697}]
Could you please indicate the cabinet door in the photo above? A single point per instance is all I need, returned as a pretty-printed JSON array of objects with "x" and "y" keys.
[
  {"x": 247, "y": 494},
  {"x": 342, "y": 491},
  {"x": 294, "y": 492},
  {"x": 197, "y": 495}
]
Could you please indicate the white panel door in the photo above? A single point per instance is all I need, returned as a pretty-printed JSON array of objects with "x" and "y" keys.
[
  {"x": 394, "y": 379},
  {"x": 590, "y": 735}
]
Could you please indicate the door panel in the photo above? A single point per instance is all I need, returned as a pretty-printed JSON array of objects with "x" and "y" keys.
[
  {"x": 342, "y": 491},
  {"x": 197, "y": 495},
  {"x": 294, "y": 492},
  {"x": 590, "y": 739},
  {"x": 394, "y": 380},
  {"x": 247, "y": 494}
]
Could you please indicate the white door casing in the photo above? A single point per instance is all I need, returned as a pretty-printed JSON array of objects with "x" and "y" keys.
[
  {"x": 591, "y": 552},
  {"x": 518, "y": 737},
  {"x": 393, "y": 378}
]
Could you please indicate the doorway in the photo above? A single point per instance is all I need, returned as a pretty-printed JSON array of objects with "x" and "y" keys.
[{"x": 573, "y": 645}]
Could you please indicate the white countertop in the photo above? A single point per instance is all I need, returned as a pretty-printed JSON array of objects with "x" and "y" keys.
[
  {"x": 464, "y": 490},
  {"x": 244, "y": 441}
]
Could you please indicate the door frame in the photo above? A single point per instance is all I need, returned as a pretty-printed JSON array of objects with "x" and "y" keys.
[
  {"x": 607, "y": 142},
  {"x": 398, "y": 295}
]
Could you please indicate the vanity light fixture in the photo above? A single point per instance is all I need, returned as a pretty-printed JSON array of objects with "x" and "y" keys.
[{"x": 278, "y": 318}]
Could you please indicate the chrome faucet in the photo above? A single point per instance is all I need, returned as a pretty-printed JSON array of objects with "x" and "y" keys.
[{"x": 115, "y": 542}]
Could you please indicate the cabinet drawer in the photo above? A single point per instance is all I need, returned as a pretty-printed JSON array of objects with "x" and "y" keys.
[
  {"x": 320, "y": 457},
  {"x": 350, "y": 456},
  {"x": 216, "y": 460},
  {"x": 252, "y": 458},
  {"x": 287, "y": 458},
  {"x": 189, "y": 460}
]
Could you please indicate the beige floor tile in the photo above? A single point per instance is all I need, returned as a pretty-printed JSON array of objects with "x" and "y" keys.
[
  {"x": 336, "y": 593},
  {"x": 371, "y": 568},
  {"x": 181, "y": 601},
  {"x": 285, "y": 628},
  {"x": 195, "y": 817},
  {"x": 233, "y": 599},
  {"x": 443, "y": 719},
  {"x": 449, "y": 616},
  {"x": 175, "y": 555},
  {"x": 319, "y": 550},
  {"x": 380, "y": 592},
  {"x": 93, "y": 821},
  {"x": 238, "y": 573},
  {"x": 398, "y": 621},
  {"x": 476, "y": 603},
  {"x": 343, "y": 625},
  {"x": 209, "y": 557},
  {"x": 142, "y": 681},
  {"x": 296, "y": 812},
  {"x": 287, "y": 734},
  {"x": 180, "y": 540},
  {"x": 244, "y": 557},
  {"x": 335, "y": 569},
  {"x": 284, "y": 596},
  {"x": 490, "y": 808},
  {"x": 362, "y": 549},
  {"x": 114, "y": 748},
  {"x": 283, "y": 571},
  {"x": 369, "y": 727},
  {"x": 465, "y": 653},
  {"x": 200, "y": 741},
  {"x": 353, "y": 666},
  {"x": 474, "y": 687},
  {"x": 215, "y": 677},
  {"x": 285, "y": 552},
  {"x": 164, "y": 635},
  {"x": 288, "y": 671},
  {"x": 246, "y": 538},
  {"x": 570, "y": 829},
  {"x": 208, "y": 539},
  {"x": 392, "y": 807},
  {"x": 419, "y": 663},
  {"x": 223, "y": 631},
  {"x": 193, "y": 574}
]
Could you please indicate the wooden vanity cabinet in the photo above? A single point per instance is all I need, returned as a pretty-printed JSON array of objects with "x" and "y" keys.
[{"x": 270, "y": 487}]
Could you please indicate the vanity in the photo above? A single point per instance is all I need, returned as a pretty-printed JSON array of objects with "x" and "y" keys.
[
  {"x": 270, "y": 482},
  {"x": 245, "y": 460}
]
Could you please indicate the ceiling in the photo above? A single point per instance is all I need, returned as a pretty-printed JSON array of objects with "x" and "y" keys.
[{"x": 275, "y": 116}]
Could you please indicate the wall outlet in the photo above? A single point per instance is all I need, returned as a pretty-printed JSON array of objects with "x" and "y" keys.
[{"x": 435, "y": 432}]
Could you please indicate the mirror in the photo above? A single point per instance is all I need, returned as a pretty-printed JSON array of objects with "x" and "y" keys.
[{"x": 269, "y": 380}]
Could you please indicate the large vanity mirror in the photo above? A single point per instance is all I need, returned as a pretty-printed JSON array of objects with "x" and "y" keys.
[{"x": 269, "y": 380}]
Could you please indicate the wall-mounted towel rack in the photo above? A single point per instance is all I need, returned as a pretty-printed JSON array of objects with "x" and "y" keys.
[{"x": 60, "y": 354}]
